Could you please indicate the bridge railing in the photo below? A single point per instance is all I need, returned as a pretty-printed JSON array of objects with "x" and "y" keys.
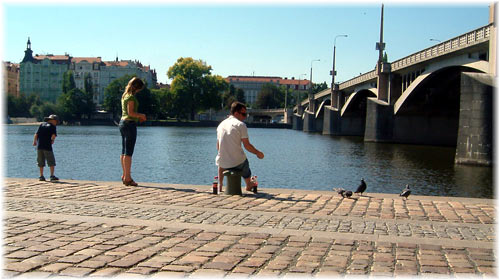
[
  {"x": 359, "y": 79},
  {"x": 474, "y": 37},
  {"x": 465, "y": 40}
]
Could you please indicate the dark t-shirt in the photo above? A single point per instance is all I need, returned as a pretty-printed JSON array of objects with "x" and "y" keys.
[{"x": 45, "y": 132}]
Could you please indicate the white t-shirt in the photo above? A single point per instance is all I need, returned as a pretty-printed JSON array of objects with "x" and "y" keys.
[{"x": 229, "y": 134}]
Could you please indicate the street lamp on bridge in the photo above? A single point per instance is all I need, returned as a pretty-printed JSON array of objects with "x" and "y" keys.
[
  {"x": 439, "y": 41},
  {"x": 298, "y": 90},
  {"x": 310, "y": 86},
  {"x": 333, "y": 68}
]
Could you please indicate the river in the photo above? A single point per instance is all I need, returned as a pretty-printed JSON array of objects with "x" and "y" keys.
[{"x": 293, "y": 159}]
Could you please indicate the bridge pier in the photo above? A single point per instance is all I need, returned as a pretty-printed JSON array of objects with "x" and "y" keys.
[
  {"x": 287, "y": 118},
  {"x": 297, "y": 122},
  {"x": 331, "y": 118},
  {"x": 379, "y": 121},
  {"x": 475, "y": 128},
  {"x": 309, "y": 123}
]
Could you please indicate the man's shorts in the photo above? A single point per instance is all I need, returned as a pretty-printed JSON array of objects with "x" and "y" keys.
[
  {"x": 244, "y": 168},
  {"x": 44, "y": 155}
]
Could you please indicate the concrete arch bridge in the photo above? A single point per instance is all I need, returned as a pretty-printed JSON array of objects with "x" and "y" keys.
[{"x": 442, "y": 95}]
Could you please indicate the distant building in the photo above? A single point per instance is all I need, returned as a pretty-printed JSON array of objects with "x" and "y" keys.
[
  {"x": 11, "y": 78},
  {"x": 43, "y": 74},
  {"x": 105, "y": 72},
  {"x": 162, "y": 85},
  {"x": 83, "y": 66},
  {"x": 252, "y": 85},
  {"x": 112, "y": 70}
]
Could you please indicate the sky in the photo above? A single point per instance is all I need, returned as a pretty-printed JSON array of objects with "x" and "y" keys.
[{"x": 260, "y": 38}]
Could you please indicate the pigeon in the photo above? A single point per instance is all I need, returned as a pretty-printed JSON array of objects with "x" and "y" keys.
[
  {"x": 361, "y": 187},
  {"x": 340, "y": 191},
  {"x": 406, "y": 192},
  {"x": 348, "y": 194}
]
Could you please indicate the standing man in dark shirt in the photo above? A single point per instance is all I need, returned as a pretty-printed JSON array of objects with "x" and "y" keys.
[{"x": 44, "y": 137}]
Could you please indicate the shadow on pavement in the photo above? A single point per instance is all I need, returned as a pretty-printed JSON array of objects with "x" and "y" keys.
[{"x": 257, "y": 195}]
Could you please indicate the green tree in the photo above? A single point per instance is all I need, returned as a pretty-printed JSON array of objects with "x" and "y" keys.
[
  {"x": 68, "y": 81},
  {"x": 232, "y": 94},
  {"x": 113, "y": 94},
  {"x": 193, "y": 86},
  {"x": 229, "y": 96},
  {"x": 211, "y": 87},
  {"x": 270, "y": 96},
  {"x": 41, "y": 111},
  {"x": 147, "y": 103},
  {"x": 296, "y": 97},
  {"x": 88, "y": 98},
  {"x": 166, "y": 102},
  {"x": 19, "y": 106},
  {"x": 319, "y": 87},
  {"x": 385, "y": 59},
  {"x": 240, "y": 95},
  {"x": 73, "y": 104}
]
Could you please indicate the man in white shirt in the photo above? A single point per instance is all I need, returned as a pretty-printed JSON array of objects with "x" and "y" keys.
[{"x": 231, "y": 132}]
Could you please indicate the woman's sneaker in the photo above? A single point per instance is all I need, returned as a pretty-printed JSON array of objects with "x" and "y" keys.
[
  {"x": 41, "y": 178},
  {"x": 53, "y": 178}
]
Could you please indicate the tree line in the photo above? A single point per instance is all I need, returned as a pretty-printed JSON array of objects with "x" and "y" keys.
[{"x": 193, "y": 89}]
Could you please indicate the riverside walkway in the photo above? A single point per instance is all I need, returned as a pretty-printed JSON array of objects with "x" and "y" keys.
[{"x": 88, "y": 228}]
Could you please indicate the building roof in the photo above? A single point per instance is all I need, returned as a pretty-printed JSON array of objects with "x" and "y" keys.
[
  {"x": 52, "y": 57},
  {"x": 293, "y": 82},
  {"x": 266, "y": 79},
  {"x": 121, "y": 63},
  {"x": 254, "y": 79},
  {"x": 12, "y": 67},
  {"x": 88, "y": 59}
]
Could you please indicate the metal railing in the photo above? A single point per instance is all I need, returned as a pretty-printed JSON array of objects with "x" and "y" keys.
[
  {"x": 359, "y": 79},
  {"x": 469, "y": 39}
]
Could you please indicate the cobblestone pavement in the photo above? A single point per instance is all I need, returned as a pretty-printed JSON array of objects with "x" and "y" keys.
[{"x": 84, "y": 228}]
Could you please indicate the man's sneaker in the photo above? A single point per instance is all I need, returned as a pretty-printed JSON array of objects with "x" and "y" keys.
[
  {"x": 41, "y": 178},
  {"x": 53, "y": 178}
]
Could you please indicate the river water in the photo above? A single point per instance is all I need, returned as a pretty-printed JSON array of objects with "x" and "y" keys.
[{"x": 293, "y": 159}]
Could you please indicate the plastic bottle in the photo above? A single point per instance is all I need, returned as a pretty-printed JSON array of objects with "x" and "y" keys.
[
  {"x": 215, "y": 185},
  {"x": 253, "y": 179}
]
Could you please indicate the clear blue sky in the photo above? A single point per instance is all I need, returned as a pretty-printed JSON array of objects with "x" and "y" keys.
[{"x": 279, "y": 39}]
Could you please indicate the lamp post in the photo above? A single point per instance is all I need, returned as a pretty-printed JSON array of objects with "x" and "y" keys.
[
  {"x": 311, "y": 109},
  {"x": 298, "y": 91},
  {"x": 436, "y": 40},
  {"x": 333, "y": 70}
]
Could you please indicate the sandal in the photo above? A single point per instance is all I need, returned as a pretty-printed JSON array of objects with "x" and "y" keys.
[
  {"x": 130, "y": 183},
  {"x": 252, "y": 189}
]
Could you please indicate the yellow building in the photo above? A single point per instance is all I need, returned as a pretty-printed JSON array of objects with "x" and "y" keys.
[{"x": 11, "y": 78}]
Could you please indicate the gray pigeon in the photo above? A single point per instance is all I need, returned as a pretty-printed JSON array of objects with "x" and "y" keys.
[
  {"x": 406, "y": 192},
  {"x": 340, "y": 191},
  {"x": 362, "y": 187}
]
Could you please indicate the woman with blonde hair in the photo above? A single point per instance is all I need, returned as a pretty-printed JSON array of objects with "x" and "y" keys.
[{"x": 128, "y": 127}]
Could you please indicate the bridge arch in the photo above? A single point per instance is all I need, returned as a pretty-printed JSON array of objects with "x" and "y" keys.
[
  {"x": 431, "y": 108},
  {"x": 357, "y": 101},
  {"x": 321, "y": 108},
  {"x": 432, "y": 72}
]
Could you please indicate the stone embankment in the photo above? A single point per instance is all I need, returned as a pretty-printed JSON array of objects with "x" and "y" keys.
[{"x": 88, "y": 228}]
